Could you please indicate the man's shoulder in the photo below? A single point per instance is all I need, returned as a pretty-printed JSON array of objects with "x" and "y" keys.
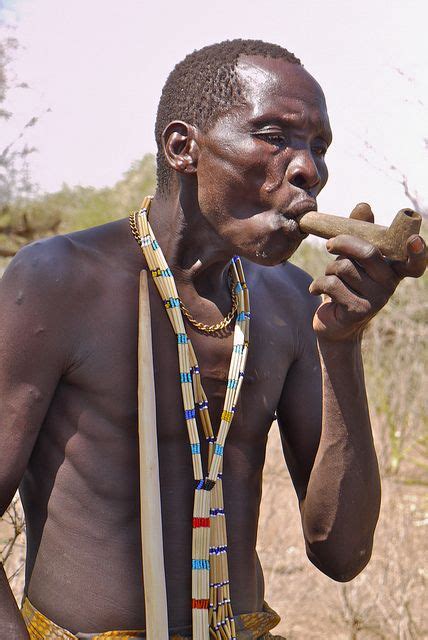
[
  {"x": 293, "y": 276},
  {"x": 41, "y": 261},
  {"x": 285, "y": 281},
  {"x": 57, "y": 254},
  {"x": 95, "y": 242},
  {"x": 63, "y": 264},
  {"x": 292, "y": 284}
]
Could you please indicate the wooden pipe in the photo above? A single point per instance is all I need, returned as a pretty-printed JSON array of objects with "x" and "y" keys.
[{"x": 391, "y": 241}]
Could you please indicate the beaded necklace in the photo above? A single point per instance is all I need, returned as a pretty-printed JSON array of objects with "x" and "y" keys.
[{"x": 211, "y": 606}]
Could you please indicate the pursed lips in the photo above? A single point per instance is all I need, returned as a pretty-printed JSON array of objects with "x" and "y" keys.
[{"x": 296, "y": 209}]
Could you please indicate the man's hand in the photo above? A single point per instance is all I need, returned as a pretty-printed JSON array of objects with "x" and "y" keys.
[{"x": 360, "y": 282}]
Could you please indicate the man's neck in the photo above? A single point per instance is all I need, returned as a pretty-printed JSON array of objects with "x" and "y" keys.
[{"x": 193, "y": 250}]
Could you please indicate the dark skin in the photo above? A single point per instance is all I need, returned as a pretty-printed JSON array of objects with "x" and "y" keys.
[{"x": 68, "y": 345}]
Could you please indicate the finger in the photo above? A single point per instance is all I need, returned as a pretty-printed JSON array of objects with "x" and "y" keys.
[
  {"x": 338, "y": 292},
  {"x": 362, "y": 211},
  {"x": 416, "y": 262},
  {"x": 377, "y": 267},
  {"x": 353, "y": 276}
]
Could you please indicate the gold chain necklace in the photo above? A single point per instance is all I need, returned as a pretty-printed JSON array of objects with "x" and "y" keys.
[{"x": 205, "y": 328}]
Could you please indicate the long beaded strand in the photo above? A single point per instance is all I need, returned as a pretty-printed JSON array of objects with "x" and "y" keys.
[{"x": 211, "y": 605}]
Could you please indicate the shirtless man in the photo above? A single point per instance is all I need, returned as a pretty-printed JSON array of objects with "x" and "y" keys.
[{"x": 242, "y": 152}]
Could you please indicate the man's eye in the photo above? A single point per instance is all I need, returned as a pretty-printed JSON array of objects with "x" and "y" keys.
[
  {"x": 273, "y": 138},
  {"x": 320, "y": 150}
]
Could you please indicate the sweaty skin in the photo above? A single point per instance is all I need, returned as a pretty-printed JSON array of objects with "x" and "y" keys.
[{"x": 68, "y": 346}]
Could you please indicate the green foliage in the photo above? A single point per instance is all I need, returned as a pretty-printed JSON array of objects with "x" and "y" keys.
[
  {"x": 71, "y": 209},
  {"x": 82, "y": 207}
]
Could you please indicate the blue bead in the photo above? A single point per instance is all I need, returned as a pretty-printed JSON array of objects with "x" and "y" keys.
[
  {"x": 218, "y": 450},
  {"x": 200, "y": 564},
  {"x": 217, "y": 550}
]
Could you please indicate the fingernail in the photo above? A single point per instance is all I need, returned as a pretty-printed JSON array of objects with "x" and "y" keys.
[
  {"x": 328, "y": 245},
  {"x": 417, "y": 245}
]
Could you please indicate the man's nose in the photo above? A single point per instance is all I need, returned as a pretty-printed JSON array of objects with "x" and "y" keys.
[{"x": 302, "y": 172}]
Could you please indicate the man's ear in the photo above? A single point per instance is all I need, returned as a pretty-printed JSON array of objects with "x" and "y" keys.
[{"x": 180, "y": 146}]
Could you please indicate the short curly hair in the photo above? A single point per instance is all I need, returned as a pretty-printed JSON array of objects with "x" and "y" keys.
[{"x": 202, "y": 86}]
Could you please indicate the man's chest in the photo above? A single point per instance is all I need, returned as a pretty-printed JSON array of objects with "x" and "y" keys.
[{"x": 107, "y": 368}]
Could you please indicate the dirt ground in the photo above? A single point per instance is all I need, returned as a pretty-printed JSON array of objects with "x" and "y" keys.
[{"x": 385, "y": 602}]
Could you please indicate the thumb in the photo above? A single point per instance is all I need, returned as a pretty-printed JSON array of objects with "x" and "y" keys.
[{"x": 362, "y": 211}]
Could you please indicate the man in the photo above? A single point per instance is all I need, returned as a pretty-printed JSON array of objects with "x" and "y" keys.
[{"x": 242, "y": 131}]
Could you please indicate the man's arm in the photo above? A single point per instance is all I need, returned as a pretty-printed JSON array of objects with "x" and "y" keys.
[
  {"x": 328, "y": 445},
  {"x": 334, "y": 467},
  {"x": 34, "y": 343}
]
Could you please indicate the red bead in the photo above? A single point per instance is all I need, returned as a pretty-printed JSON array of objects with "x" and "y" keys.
[
  {"x": 200, "y": 522},
  {"x": 200, "y": 604}
]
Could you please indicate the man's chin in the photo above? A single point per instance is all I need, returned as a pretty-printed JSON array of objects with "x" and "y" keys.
[{"x": 273, "y": 256}]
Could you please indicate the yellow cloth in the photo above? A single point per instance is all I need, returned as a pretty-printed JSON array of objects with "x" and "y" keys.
[{"x": 249, "y": 626}]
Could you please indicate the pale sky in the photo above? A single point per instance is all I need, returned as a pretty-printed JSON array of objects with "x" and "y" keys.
[{"x": 100, "y": 67}]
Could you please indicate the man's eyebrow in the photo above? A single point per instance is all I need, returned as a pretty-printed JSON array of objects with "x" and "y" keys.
[{"x": 266, "y": 118}]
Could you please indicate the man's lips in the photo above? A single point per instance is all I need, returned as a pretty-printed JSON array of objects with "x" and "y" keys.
[
  {"x": 292, "y": 212},
  {"x": 297, "y": 209}
]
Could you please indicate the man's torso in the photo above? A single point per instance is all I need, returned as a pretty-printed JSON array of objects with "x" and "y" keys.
[{"x": 80, "y": 490}]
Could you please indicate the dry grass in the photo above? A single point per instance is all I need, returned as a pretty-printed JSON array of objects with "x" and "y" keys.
[
  {"x": 12, "y": 546},
  {"x": 386, "y": 601}
]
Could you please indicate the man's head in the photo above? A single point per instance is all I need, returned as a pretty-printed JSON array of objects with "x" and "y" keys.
[
  {"x": 202, "y": 86},
  {"x": 246, "y": 128}
]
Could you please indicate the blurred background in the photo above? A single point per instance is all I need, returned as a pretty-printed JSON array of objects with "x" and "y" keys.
[{"x": 79, "y": 87}]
